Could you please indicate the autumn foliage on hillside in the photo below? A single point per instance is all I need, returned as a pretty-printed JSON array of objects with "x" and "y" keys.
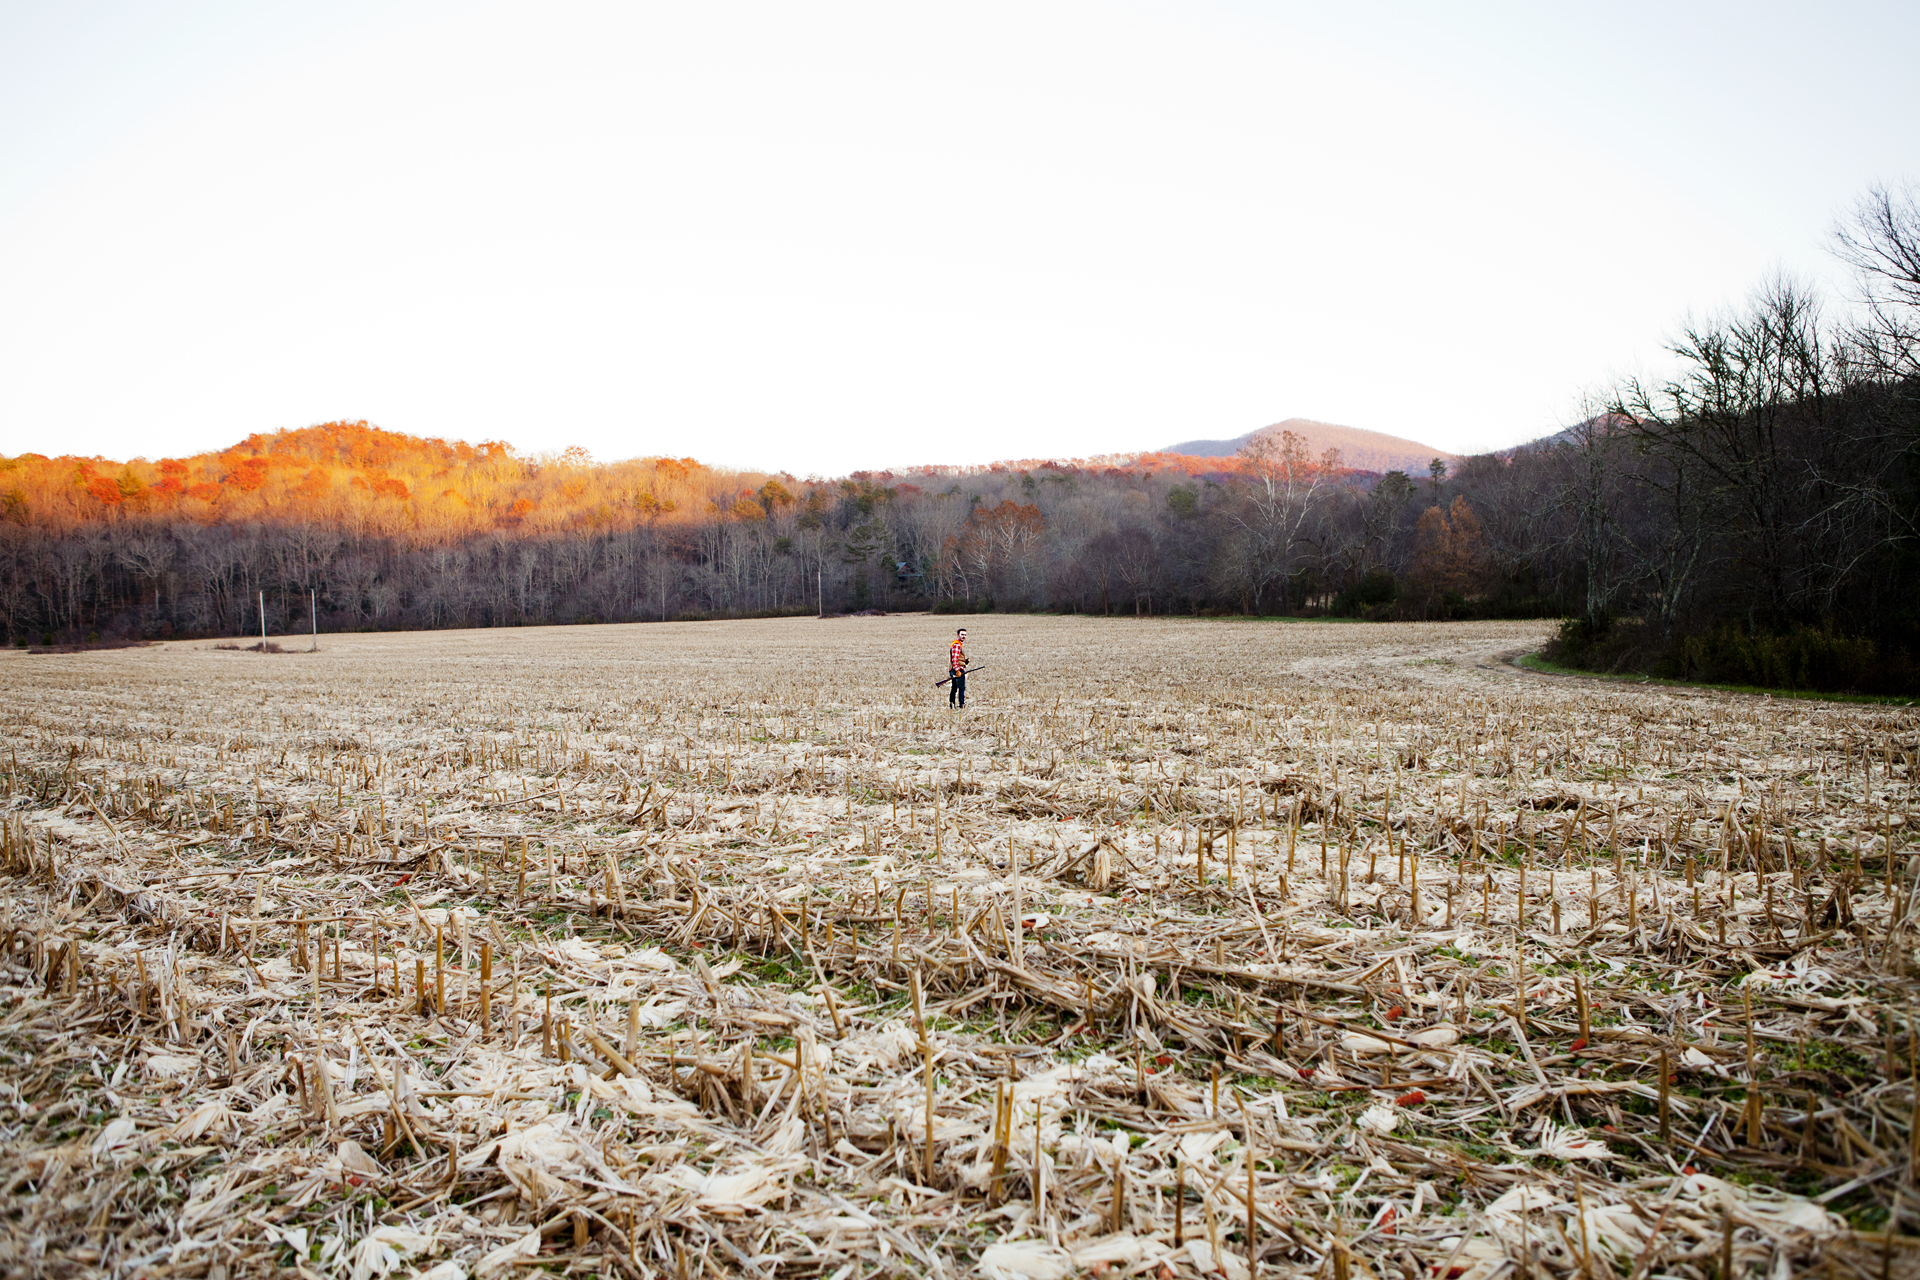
[
  {"x": 366, "y": 527},
  {"x": 358, "y": 475}
]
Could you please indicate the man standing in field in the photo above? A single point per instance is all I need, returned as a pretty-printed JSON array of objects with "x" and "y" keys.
[{"x": 957, "y": 670}]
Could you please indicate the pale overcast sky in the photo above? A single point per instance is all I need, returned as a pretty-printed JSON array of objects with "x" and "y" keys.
[{"x": 822, "y": 236}]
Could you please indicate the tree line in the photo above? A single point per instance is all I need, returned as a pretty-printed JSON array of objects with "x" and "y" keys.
[
  {"x": 375, "y": 529},
  {"x": 1753, "y": 517}
]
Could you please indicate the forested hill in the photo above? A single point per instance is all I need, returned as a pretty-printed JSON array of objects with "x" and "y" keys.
[
  {"x": 359, "y": 477},
  {"x": 393, "y": 530}
]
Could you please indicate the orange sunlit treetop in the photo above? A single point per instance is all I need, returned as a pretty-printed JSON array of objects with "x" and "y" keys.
[
  {"x": 357, "y": 473},
  {"x": 380, "y": 481}
]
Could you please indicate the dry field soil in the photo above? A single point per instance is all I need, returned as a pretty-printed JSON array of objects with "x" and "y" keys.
[{"x": 1189, "y": 948}]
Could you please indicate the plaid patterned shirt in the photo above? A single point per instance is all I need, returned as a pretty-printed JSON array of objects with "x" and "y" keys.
[{"x": 957, "y": 656}]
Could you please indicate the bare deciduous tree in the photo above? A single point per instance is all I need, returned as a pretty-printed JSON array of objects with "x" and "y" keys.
[{"x": 1284, "y": 484}]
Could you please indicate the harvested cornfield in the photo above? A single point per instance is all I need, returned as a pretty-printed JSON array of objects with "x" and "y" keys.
[{"x": 1190, "y": 947}]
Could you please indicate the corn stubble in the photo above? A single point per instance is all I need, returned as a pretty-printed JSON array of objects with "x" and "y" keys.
[{"x": 1192, "y": 947}]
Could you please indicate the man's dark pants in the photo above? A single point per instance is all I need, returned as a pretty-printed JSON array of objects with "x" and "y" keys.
[{"x": 957, "y": 692}]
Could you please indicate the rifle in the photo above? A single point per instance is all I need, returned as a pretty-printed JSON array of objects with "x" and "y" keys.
[{"x": 969, "y": 671}]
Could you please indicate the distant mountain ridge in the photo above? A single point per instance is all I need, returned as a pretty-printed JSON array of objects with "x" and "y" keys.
[{"x": 1361, "y": 449}]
